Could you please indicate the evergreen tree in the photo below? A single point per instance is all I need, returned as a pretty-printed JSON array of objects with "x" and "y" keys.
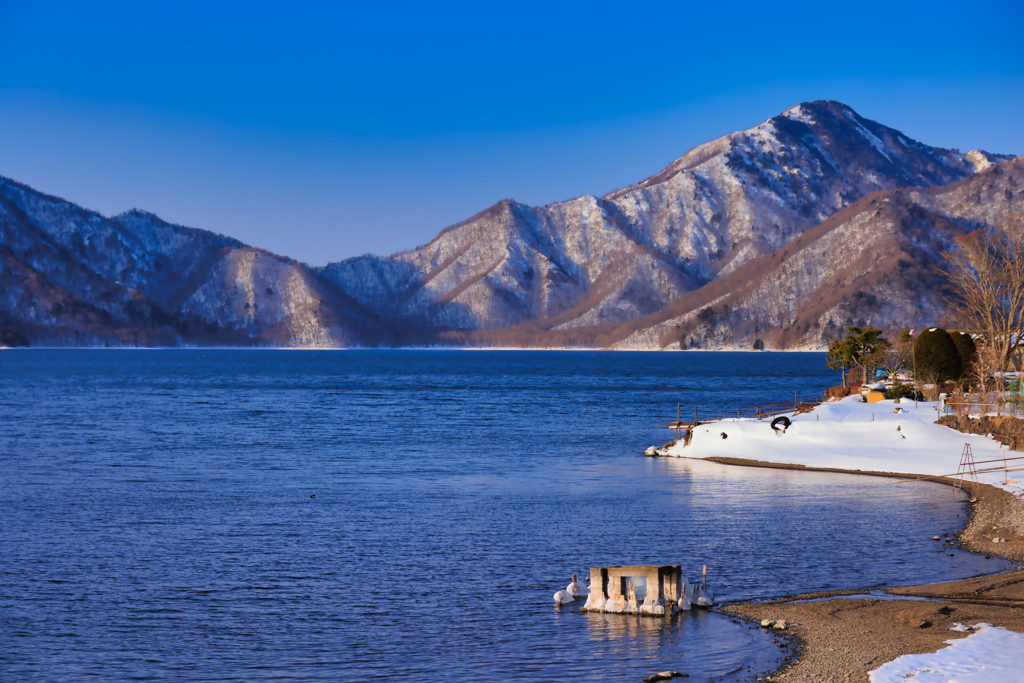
[
  {"x": 966, "y": 349},
  {"x": 938, "y": 358},
  {"x": 861, "y": 345}
]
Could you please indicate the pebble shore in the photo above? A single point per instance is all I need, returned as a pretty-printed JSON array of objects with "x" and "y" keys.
[{"x": 842, "y": 639}]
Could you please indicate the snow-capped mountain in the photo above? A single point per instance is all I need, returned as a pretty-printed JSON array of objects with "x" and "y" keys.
[
  {"x": 593, "y": 262},
  {"x": 773, "y": 232},
  {"x": 874, "y": 263},
  {"x": 72, "y": 276}
]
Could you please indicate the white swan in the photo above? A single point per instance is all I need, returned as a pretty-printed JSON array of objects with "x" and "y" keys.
[
  {"x": 704, "y": 598},
  {"x": 686, "y": 596},
  {"x": 577, "y": 589}
]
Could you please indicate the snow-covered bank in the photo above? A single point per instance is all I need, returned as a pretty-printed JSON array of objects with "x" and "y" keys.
[
  {"x": 851, "y": 435},
  {"x": 988, "y": 655}
]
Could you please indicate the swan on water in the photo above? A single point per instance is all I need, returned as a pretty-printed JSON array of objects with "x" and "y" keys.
[
  {"x": 577, "y": 589},
  {"x": 686, "y": 596},
  {"x": 704, "y": 598}
]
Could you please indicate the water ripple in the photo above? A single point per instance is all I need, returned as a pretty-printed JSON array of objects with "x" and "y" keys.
[{"x": 159, "y": 519}]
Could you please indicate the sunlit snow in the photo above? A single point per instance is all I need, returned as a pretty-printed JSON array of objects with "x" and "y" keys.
[
  {"x": 989, "y": 655},
  {"x": 851, "y": 435}
]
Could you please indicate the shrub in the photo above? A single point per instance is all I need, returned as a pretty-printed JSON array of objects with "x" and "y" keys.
[
  {"x": 839, "y": 392},
  {"x": 707, "y": 316},
  {"x": 937, "y": 356},
  {"x": 966, "y": 349},
  {"x": 10, "y": 337},
  {"x": 900, "y": 390},
  {"x": 691, "y": 342}
]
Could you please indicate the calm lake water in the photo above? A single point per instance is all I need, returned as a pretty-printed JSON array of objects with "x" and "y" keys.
[{"x": 159, "y": 519}]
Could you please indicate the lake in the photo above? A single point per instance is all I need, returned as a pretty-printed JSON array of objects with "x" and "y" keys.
[{"x": 343, "y": 515}]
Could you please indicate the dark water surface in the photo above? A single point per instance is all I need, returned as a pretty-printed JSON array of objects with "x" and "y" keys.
[{"x": 157, "y": 518}]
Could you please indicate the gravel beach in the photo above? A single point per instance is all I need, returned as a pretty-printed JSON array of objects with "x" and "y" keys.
[{"x": 842, "y": 639}]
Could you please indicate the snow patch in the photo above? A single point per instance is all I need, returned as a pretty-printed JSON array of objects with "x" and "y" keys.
[
  {"x": 989, "y": 655},
  {"x": 869, "y": 136},
  {"x": 798, "y": 113},
  {"x": 851, "y": 435},
  {"x": 978, "y": 159}
]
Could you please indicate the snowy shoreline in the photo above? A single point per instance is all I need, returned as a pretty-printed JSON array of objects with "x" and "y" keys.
[
  {"x": 890, "y": 439},
  {"x": 884, "y": 438}
]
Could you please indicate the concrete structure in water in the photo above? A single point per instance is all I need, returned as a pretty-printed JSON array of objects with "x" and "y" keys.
[{"x": 611, "y": 589}]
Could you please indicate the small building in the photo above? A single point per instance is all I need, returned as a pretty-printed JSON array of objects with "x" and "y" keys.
[
  {"x": 858, "y": 375},
  {"x": 612, "y": 590}
]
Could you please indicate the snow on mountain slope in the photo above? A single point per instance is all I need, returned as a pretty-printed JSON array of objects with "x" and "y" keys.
[
  {"x": 872, "y": 263},
  {"x": 271, "y": 298},
  {"x": 762, "y": 186},
  {"x": 513, "y": 263},
  {"x": 135, "y": 249},
  {"x": 49, "y": 292},
  {"x": 589, "y": 263},
  {"x": 72, "y": 276},
  {"x": 766, "y": 228}
]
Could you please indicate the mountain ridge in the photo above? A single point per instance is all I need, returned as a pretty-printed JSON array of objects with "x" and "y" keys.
[{"x": 603, "y": 271}]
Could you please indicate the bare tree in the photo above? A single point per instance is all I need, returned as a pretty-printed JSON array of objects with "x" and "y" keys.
[
  {"x": 895, "y": 356},
  {"x": 991, "y": 387},
  {"x": 986, "y": 271},
  {"x": 929, "y": 385}
]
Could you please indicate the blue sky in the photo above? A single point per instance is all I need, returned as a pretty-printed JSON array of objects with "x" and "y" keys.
[{"x": 324, "y": 131}]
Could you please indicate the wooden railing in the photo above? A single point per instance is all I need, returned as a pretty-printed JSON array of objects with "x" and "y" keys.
[
  {"x": 760, "y": 412},
  {"x": 977, "y": 404},
  {"x": 1009, "y": 441}
]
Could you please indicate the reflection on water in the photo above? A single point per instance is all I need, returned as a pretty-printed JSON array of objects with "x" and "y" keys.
[
  {"x": 705, "y": 645},
  {"x": 160, "y": 519},
  {"x": 787, "y": 531}
]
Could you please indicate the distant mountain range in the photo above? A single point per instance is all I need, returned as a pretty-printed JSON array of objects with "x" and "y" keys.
[{"x": 785, "y": 232}]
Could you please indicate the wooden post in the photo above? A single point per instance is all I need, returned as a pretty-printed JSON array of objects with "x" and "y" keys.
[
  {"x": 696, "y": 420},
  {"x": 913, "y": 352},
  {"x": 704, "y": 580}
]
